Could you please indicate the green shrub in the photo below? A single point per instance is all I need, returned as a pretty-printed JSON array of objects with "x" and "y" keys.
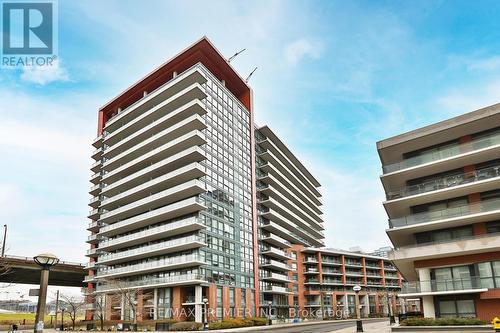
[
  {"x": 186, "y": 326},
  {"x": 259, "y": 321},
  {"x": 442, "y": 322},
  {"x": 238, "y": 322}
]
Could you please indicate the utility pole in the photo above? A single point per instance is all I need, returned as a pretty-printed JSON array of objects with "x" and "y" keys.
[
  {"x": 4, "y": 239},
  {"x": 57, "y": 309}
]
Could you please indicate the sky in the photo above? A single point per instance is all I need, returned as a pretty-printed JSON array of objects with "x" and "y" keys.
[{"x": 333, "y": 78}]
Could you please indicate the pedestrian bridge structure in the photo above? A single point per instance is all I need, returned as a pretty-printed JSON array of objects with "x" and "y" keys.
[{"x": 16, "y": 269}]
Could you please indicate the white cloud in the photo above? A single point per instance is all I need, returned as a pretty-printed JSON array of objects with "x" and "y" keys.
[
  {"x": 301, "y": 48},
  {"x": 486, "y": 64},
  {"x": 43, "y": 75},
  {"x": 470, "y": 98}
]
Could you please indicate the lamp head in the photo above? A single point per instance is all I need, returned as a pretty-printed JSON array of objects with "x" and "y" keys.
[
  {"x": 205, "y": 300},
  {"x": 46, "y": 260}
]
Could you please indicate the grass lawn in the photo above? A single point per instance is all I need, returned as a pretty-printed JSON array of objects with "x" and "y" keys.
[{"x": 16, "y": 318}]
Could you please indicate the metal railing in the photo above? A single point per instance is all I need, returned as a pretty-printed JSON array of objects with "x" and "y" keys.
[
  {"x": 105, "y": 286},
  {"x": 444, "y": 152},
  {"x": 463, "y": 210},
  {"x": 150, "y": 248},
  {"x": 446, "y": 182},
  {"x": 151, "y": 264},
  {"x": 151, "y": 231},
  {"x": 451, "y": 240},
  {"x": 474, "y": 282}
]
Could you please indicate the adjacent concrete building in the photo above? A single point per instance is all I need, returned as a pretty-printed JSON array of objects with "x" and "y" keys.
[{"x": 442, "y": 184}]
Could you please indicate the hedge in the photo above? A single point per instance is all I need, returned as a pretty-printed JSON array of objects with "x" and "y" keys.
[
  {"x": 235, "y": 323},
  {"x": 442, "y": 322},
  {"x": 186, "y": 326}
]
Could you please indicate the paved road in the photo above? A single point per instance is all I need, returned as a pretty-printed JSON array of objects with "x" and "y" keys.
[{"x": 315, "y": 327}]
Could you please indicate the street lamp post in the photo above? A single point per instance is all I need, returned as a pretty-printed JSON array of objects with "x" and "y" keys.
[
  {"x": 391, "y": 313},
  {"x": 62, "y": 318},
  {"x": 4, "y": 239},
  {"x": 205, "y": 317},
  {"x": 359, "y": 323},
  {"x": 45, "y": 261},
  {"x": 269, "y": 312}
]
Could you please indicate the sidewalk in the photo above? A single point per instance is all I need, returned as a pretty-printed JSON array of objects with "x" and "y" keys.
[{"x": 380, "y": 327}]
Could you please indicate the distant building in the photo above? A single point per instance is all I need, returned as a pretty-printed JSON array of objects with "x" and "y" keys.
[{"x": 382, "y": 252}]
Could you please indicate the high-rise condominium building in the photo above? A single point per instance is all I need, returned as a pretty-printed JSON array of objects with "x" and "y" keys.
[
  {"x": 442, "y": 184},
  {"x": 190, "y": 201}
]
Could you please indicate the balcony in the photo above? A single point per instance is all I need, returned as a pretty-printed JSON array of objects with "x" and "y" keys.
[
  {"x": 404, "y": 256},
  {"x": 90, "y": 265},
  {"x": 171, "y": 246},
  {"x": 446, "y": 153},
  {"x": 330, "y": 262},
  {"x": 97, "y": 142},
  {"x": 276, "y": 290},
  {"x": 279, "y": 230},
  {"x": 180, "y": 279},
  {"x": 94, "y": 226},
  {"x": 172, "y": 211},
  {"x": 276, "y": 265},
  {"x": 313, "y": 271},
  {"x": 276, "y": 240},
  {"x": 146, "y": 159},
  {"x": 95, "y": 189},
  {"x": 92, "y": 253},
  {"x": 92, "y": 239},
  {"x": 97, "y": 153},
  {"x": 158, "y": 124},
  {"x": 286, "y": 165},
  {"x": 94, "y": 214},
  {"x": 311, "y": 281},
  {"x": 176, "y": 193},
  {"x": 167, "y": 181},
  {"x": 308, "y": 231},
  {"x": 275, "y": 277},
  {"x": 333, "y": 281},
  {"x": 182, "y": 261},
  {"x": 275, "y": 253},
  {"x": 95, "y": 178},
  {"x": 445, "y": 287},
  {"x": 354, "y": 273},
  {"x": 164, "y": 167},
  {"x": 349, "y": 263},
  {"x": 465, "y": 179},
  {"x": 488, "y": 209},
  {"x": 174, "y": 228},
  {"x": 332, "y": 272},
  {"x": 194, "y": 122},
  {"x": 96, "y": 166},
  {"x": 94, "y": 202},
  {"x": 172, "y": 94}
]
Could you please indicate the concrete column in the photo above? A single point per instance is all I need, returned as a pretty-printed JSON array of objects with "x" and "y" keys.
[
  {"x": 198, "y": 308},
  {"x": 155, "y": 304},
  {"x": 424, "y": 276},
  {"x": 428, "y": 305}
]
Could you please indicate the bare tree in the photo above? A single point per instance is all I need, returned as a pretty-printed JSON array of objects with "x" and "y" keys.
[
  {"x": 98, "y": 306},
  {"x": 119, "y": 292},
  {"x": 74, "y": 305}
]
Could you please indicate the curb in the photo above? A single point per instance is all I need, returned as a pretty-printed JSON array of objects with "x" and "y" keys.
[{"x": 475, "y": 328}]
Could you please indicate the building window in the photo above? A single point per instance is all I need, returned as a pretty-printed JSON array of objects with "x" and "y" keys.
[
  {"x": 493, "y": 227},
  {"x": 456, "y": 307},
  {"x": 293, "y": 254}
]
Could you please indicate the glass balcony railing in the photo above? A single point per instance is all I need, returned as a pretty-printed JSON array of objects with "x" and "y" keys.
[
  {"x": 152, "y": 231},
  {"x": 463, "y": 210},
  {"x": 472, "y": 282},
  {"x": 149, "y": 281},
  {"x": 151, "y": 248},
  {"x": 151, "y": 264},
  {"x": 446, "y": 182},
  {"x": 445, "y": 152}
]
